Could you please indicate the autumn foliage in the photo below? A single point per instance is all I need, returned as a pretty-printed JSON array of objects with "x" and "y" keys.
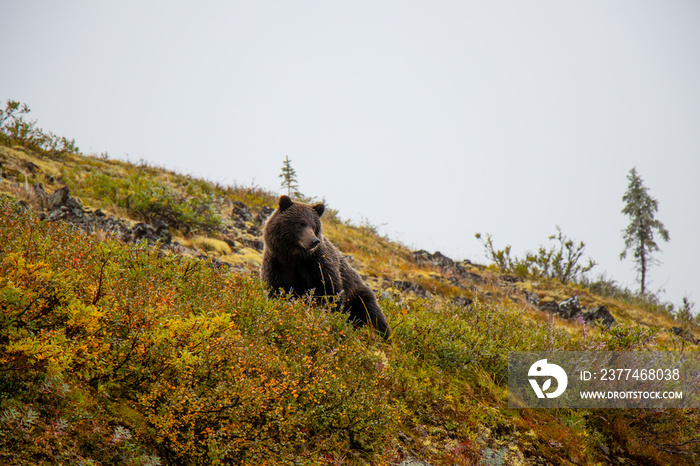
[{"x": 189, "y": 363}]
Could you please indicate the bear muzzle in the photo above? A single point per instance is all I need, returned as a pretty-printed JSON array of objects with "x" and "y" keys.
[{"x": 309, "y": 240}]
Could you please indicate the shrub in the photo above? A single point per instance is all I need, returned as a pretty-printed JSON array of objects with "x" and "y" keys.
[
  {"x": 15, "y": 130},
  {"x": 187, "y": 208},
  {"x": 560, "y": 261}
]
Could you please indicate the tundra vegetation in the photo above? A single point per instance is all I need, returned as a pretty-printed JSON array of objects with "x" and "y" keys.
[{"x": 116, "y": 351}]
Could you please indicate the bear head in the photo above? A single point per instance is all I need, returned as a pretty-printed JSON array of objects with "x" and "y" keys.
[{"x": 294, "y": 228}]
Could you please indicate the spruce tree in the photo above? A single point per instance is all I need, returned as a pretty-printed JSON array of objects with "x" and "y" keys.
[
  {"x": 641, "y": 208},
  {"x": 289, "y": 177}
]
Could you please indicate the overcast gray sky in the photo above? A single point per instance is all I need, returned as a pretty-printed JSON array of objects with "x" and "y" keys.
[{"x": 434, "y": 119}]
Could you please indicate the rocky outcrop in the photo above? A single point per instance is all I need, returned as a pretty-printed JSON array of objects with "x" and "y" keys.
[
  {"x": 62, "y": 206},
  {"x": 455, "y": 271},
  {"x": 60, "y": 199},
  {"x": 550, "y": 306},
  {"x": 263, "y": 215},
  {"x": 241, "y": 212},
  {"x": 158, "y": 233},
  {"x": 571, "y": 309},
  {"x": 241, "y": 216},
  {"x": 532, "y": 298},
  {"x": 599, "y": 313},
  {"x": 406, "y": 286},
  {"x": 247, "y": 228},
  {"x": 438, "y": 259}
]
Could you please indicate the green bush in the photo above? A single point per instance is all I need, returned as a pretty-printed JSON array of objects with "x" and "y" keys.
[
  {"x": 560, "y": 261},
  {"x": 15, "y": 130},
  {"x": 188, "y": 208}
]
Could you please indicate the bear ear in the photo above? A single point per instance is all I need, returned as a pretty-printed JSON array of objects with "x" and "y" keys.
[
  {"x": 319, "y": 208},
  {"x": 285, "y": 202}
]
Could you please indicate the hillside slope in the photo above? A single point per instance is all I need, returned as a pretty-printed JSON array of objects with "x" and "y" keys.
[{"x": 135, "y": 330}]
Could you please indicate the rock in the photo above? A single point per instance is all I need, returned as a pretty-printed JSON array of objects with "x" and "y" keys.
[
  {"x": 421, "y": 256},
  {"x": 550, "y": 306},
  {"x": 112, "y": 226},
  {"x": 437, "y": 259},
  {"x": 254, "y": 230},
  {"x": 599, "y": 313},
  {"x": 241, "y": 215},
  {"x": 235, "y": 242},
  {"x": 263, "y": 215},
  {"x": 58, "y": 198},
  {"x": 462, "y": 301},
  {"x": 60, "y": 205},
  {"x": 408, "y": 286},
  {"x": 31, "y": 167},
  {"x": 532, "y": 298},
  {"x": 460, "y": 269},
  {"x": 464, "y": 263},
  {"x": 152, "y": 234},
  {"x": 53, "y": 216},
  {"x": 74, "y": 205},
  {"x": 256, "y": 244},
  {"x": 510, "y": 279},
  {"x": 241, "y": 211},
  {"x": 570, "y": 308},
  {"x": 141, "y": 231},
  {"x": 442, "y": 260},
  {"x": 231, "y": 241},
  {"x": 473, "y": 277},
  {"x": 685, "y": 334}
]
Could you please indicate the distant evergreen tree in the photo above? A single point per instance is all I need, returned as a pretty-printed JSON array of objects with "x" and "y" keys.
[
  {"x": 289, "y": 177},
  {"x": 641, "y": 208}
]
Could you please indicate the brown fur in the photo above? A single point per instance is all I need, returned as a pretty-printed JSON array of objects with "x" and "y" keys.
[{"x": 298, "y": 259}]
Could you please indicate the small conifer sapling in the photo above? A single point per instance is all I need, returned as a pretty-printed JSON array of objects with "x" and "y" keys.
[{"x": 289, "y": 178}]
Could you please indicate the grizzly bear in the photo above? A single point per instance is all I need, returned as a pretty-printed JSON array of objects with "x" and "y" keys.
[{"x": 298, "y": 259}]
